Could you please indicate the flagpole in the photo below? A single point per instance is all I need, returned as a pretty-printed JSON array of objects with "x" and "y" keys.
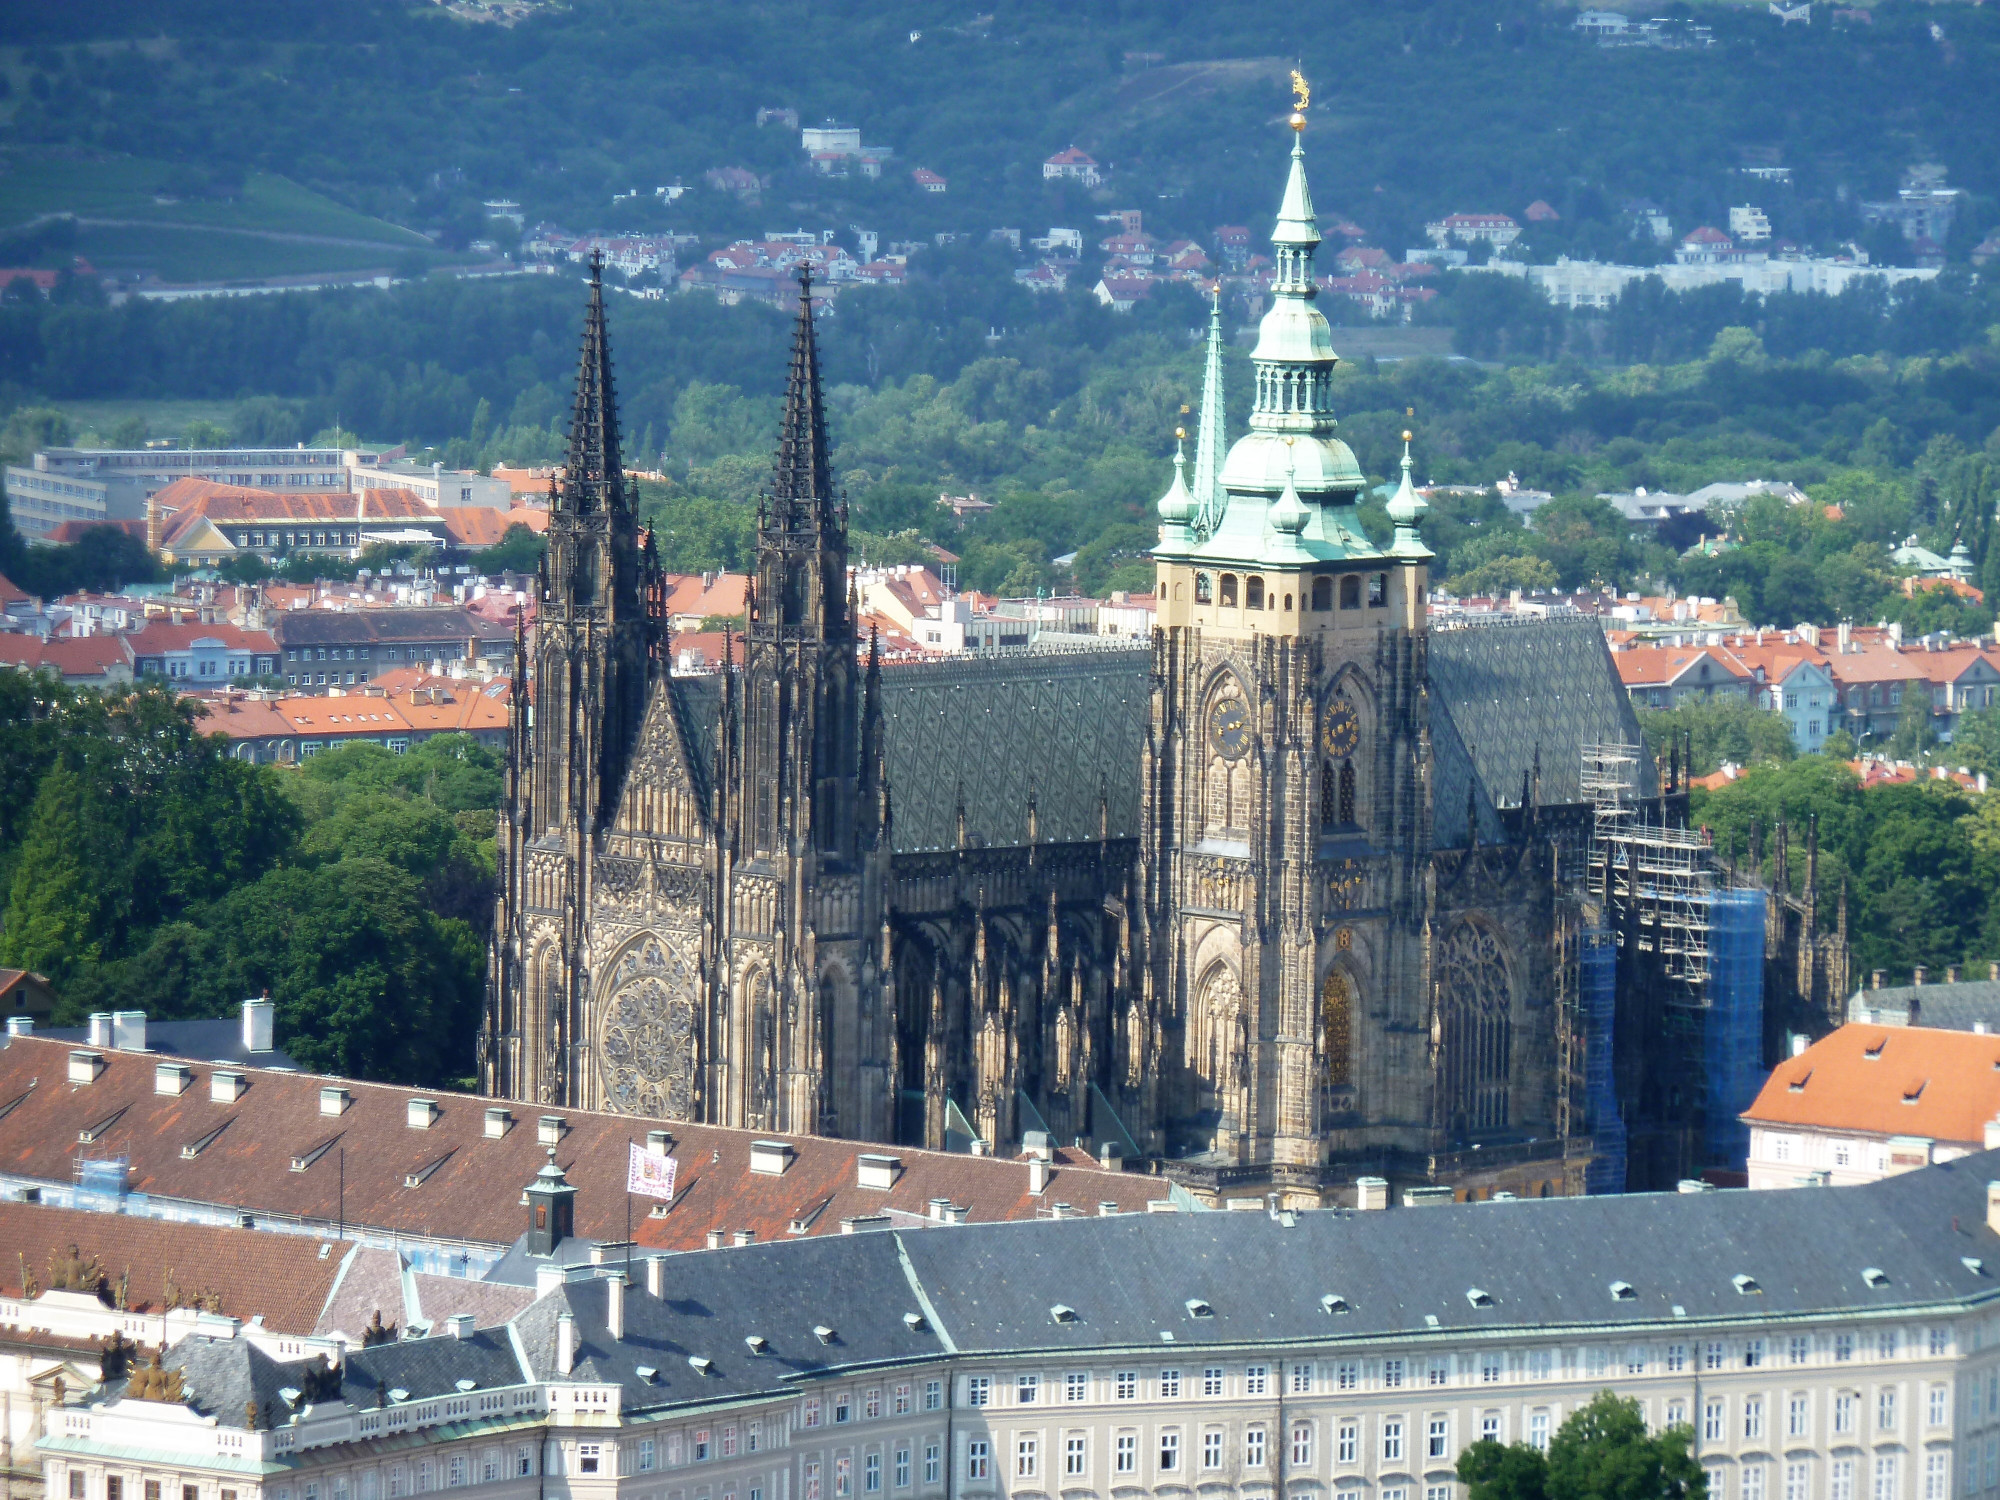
[{"x": 629, "y": 1144}]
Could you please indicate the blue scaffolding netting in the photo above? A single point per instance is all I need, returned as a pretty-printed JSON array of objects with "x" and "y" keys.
[
  {"x": 1597, "y": 993},
  {"x": 1733, "y": 1032}
]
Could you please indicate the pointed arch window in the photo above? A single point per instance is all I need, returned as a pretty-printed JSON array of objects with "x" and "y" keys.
[
  {"x": 1336, "y": 1029},
  {"x": 1475, "y": 1006},
  {"x": 1347, "y": 791}
]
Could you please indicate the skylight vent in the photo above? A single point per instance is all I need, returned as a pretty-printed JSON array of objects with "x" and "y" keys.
[
  {"x": 1335, "y": 1304},
  {"x": 289, "y": 1395},
  {"x": 758, "y": 1344},
  {"x": 1875, "y": 1276},
  {"x": 1876, "y": 1050},
  {"x": 1798, "y": 1084},
  {"x": 646, "y": 1373},
  {"x": 399, "y": 1394},
  {"x": 1915, "y": 1091},
  {"x": 1973, "y": 1264},
  {"x": 1747, "y": 1285},
  {"x": 823, "y": 1333},
  {"x": 468, "y": 1385},
  {"x": 700, "y": 1364},
  {"x": 1479, "y": 1296},
  {"x": 1198, "y": 1308},
  {"x": 1622, "y": 1291},
  {"x": 1063, "y": 1314},
  {"x": 914, "y": 1321}
]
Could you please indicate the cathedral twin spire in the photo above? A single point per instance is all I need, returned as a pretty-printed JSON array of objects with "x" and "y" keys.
[
  {"x": 593, "y": 477},
  {"x": 802, "y": 478}
]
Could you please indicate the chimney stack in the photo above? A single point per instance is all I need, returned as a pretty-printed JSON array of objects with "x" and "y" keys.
[
  {"x": 1918, "y": 974},
  {"x": 100, "y": 1028},
  {"x": 128, "y": 1030},
  {"x": 656, "y": 1276},
  {"x": 1951, "y": 973},
  {"x": 461, "y": 1325},
  {"x": 1038, "y": 1177},
  {"x": 565, "y": 1343},
  {"x": 1876, "y": 977},
  {"x": 1371, "y": 1193},
  {"x": 257, "y": 1016},
  {"x": 614, "y": 1306}
]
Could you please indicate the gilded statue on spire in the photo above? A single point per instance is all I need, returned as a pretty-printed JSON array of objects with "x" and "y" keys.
[{"x": 1302, "y": 98}]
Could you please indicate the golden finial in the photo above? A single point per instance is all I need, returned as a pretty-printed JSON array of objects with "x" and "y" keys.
[
  {"x": 1407, "y": 434},
  {"x": 1301, "y": 99},
  {"x": 1180, "y": 433}
]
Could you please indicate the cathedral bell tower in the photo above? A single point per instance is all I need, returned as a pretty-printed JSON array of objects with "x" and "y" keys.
[
  {"x": 1283, "y": 765},
  {"x": 804, "y": 872}
]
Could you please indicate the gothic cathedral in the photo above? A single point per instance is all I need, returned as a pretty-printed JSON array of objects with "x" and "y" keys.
[{"x": 1281, "y": 900}]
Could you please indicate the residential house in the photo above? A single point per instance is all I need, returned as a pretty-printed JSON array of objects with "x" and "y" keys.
[
  {"x": 208, "y": 654},
  {"x": 27, "y": 994},
  {"x": 1120, "y": 293},
  {"x": 1871, "y": 680},
  {"x": 79, "y": 660},
  {"x": 1869, "y": 1101},
  {"x": 404, "y": 709},
  {"x": 1957, "y": 1004},
  {"x": 344, "y": 647},
  {"x": 199, "y": 521},
  {"x": 1791, "y": 679},
  {"x": 1232, "y": 243},
  {"x": 1539, "y": 212},
  {"x": 1133, "y": 247},
  {"x": 1704, "y": 246},
  {"x": 927, "y": 181},
  {"x": 1497, "y": 230},
  {"x": 1071, "y": 165},
  {"x": 1748, "y": 226},
  {"x": 1676, "y": 676},
  {"x": 695, "y": 597},
  {"x": 1602, "y": 23},
  {"x": 1043, "y": 278}
]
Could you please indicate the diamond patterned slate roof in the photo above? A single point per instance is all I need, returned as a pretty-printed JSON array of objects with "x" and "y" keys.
[
  {"x": 1500, "y": 691},
  {"x": 1064, "y": 725}
]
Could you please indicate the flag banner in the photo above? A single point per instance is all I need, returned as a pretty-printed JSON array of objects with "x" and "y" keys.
[{"x": 650, "y": 1176}]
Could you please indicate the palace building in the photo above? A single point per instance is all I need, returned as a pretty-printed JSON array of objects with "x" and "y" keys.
[{"x": 1302, "y": 892}]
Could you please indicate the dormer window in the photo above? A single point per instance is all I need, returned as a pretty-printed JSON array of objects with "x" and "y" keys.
[
  {"x": 1622, "y": 1291},
  {"x": 823, "y": 1333},
  {"x": 1875, "y": 1276},
  {"x": 1478, "y": 1296},
  {"x": 1063, "y": 1314},
  {"x": 1198, "y": 1308},
  {"x": 1746, "y": 1285},
  {"x": 1334, "y": 1304},
  {"x": 758, "y": 1344}
]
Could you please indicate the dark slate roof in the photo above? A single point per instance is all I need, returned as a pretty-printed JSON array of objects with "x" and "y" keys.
[
  {"x": 1062, "y": 726},
  {"x": 1499, "y": 692},
  {"x": 415, "y": 626},
  {"x": 853, "y": 1284},
  {"x": 1539, "y": 1265},
  {"x": 1969, "y": 1004},
  {"x": 431, "y": 1366},
  {"x": 204, "y": 1041},
  {"x": 697, "y": 705},
  {"x": 222, "y": 1375}
]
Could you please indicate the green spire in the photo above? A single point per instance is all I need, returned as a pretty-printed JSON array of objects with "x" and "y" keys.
[
  {"x": 1406, "y": 510},
  {"x": 1211, "y": 432},
  {"x": 1177, "y": 506}
]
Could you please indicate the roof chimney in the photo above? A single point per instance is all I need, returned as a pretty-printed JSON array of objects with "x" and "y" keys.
[
  {"x": 565, "y": 1342},
  {"x": 1371, "y": 1193},
  {"x": 25, "y": 1025},
  {"x": 461, "y": 1325},
  {"x": 1918, "y": 974},
  {"x": 257, "y": 1015},
  {"x": 100, "y": 1028},
  {"x": 128, "y": 1030},
  {"x": 614, "y": 1307},
  {"x": 1877, "y": 976},
  {"x": 1951, "y": 973},
  {"x": 656, "y": 1276},
  {"x": 1038, "y": 1177}
]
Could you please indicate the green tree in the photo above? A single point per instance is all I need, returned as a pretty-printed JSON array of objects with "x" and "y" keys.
[
  {"x": 519, "y": 551},
  {"x": 1603, "y": 1452},
  {"x": 1727, "y": 729}
]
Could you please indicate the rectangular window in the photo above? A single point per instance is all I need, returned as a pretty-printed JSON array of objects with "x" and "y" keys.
[
  {"x": 1934, "y": 1407},
  {"x": 76, "y": 1484},
  {"x": 1027, "y": 1388},
  {"x": 1437, "y": 1437},
  {"x": 1798, "y": 1348},
  {"x": 1752, "y": 1482},
  {"x": 1712, "y": 1356},
  {"x": 1886, "y": 1344},
  {"x": 1027, "y": 1457},
  {"x": 902, "y": 1466},
  {"x": 933, "y": 1463},
  {"x": 1885, "y": 1409},
  {"x": 810, "y": 1487},
  {"x": 1127, "y": 1450},
  {"x": 1885, "y": 1477},
  {"x": 933, "y": 1395},
  {"x": 1843, "y": 1351},
  {"x": 1489, "y": 1427},
  {"x": 700, "y": 1446},
  {"x": 1753, "y": 1416},
  {"x": 1170, "y": 1452},
  {"x": 1256, "y": 1380},
  {"x": 1798, "y": 1417},
  {"x": 871, "y": 1474},
  {"x": 588, "y": 1457},
  {"x": 1392, "y": 1440},
  {"x": 153, "y": 1490},
  {"x": 843, "y": 1477},
  {"x": 1712, "y": 1422},
  {"x": 1076, "y": 1455},
  {"x": 843, "y": 1409},
  {"x": 978, "y": 1459},
  {"x": 1347, "y": 1375},
  {"x": 902, "y": 1400},
  {"x": 1392, "y": 1373},
  {"x": 729, "y": 1442},
  {"x": 1253, "y": 1448},
  {"x": 1844, "y": 1403},
  {"x": 978, "y": 1390},
  {"x": 1302, "y": 1380},
  {"x": 1937, "y": 1476},
  {"x": 1437, "y": 1492},
  {"x": 1753, "y": 1353},
  {"x": 1940, "y": 1342},
  {"x": 1635, "y": 1360},
  {"x": 646, "y": 1455},
  {"x": 524, "y": 1461},
  {"x": 1076, "y": 1386},
  {"x": 1211, "y": 1449},
  {"x": 1489, "y": 1367},
  {"x": 1438, "y": 1372},
  {"x": 1211, "y": 1381},
  {"x": 1677, "y": 1414},
  {"x": 1840, "y": 1477},
  {"x": 1798, "y": 1482},
  {"x": 1302, "y": 1445},
  {"x": 1677, "y": 1358},
  {"x": 1538, "y": 1430},
  {"x": 871, "y": 1404},
  {"x": 1126, "y": 1384},
  {"x": 1170, "y": 1385},
  {"x": 812, "y": 1411},
  {"x": 753, "y": 1437},
  {"x": 1378, "y": 590},
  {"x": 1347, "y": 1444},
  {"x": 114, "y": 1487}
]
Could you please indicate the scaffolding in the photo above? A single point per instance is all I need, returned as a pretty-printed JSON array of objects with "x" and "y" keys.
[{"x": 1658, "y": 915}]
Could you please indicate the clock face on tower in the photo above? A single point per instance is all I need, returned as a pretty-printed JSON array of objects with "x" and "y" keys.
[
  {"x": 1229, "y": 727},
  {"x": 1342, "y": 730}
]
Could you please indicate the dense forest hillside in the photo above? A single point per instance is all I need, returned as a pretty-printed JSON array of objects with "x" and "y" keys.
[{"x": 413, "y": 114}]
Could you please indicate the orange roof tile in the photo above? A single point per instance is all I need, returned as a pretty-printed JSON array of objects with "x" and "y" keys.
[{"x": 1888, "y": 1081}]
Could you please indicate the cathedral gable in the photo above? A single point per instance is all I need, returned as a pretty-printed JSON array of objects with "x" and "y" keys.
[{"x": 662, "y": 795}]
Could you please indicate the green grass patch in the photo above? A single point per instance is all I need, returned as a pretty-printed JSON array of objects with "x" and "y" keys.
[
  {"x": 223, "y": 255},
  {"x": 129, "y": 187}
]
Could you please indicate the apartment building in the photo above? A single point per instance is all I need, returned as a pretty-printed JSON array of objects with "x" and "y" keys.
[{"x": 1830, "y": 1342}]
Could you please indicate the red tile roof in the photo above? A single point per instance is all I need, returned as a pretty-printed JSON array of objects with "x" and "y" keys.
[
  {"x": 477, "y": 526},
  {"x": 706, "y": 595},
  {"x": 11, "y": 592},
  {"x": 279, "y": 1277},
  {"x": 74, "y": 658},
  {"x": 1887, "y": 1081},
  {"x": 68, "y": 533},
  {"x": 242, "y": 1155},
  {"x": 158, "y": 637},
  {"x": 186, "y": 501}
]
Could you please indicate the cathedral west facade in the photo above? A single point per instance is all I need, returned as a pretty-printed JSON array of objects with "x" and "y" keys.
[{"x": 1275, "y": 902}]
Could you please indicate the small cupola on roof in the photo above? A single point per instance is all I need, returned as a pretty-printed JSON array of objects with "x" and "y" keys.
[
  {"x": 551, "y": 1208},
  {"x": 1406, "y": 512}
]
